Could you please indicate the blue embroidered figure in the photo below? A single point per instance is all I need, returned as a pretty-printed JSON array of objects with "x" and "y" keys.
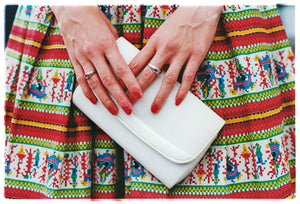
[
  {"x": 281, "y": 71},
  {"x": 74, "y": 175},
  {"x": 70, "y": 81},
  {"x": 265, "y": 62},
  {"x": 48, "y": 18},
  {"x": 232, "y": 172},
  {"x": 38, "y": 89},
  {"x": 211, "y": 77},
  {"x": 53, "y": 162},
  {"x": 260, "y": 162},
  {"x": 218, "y": 159},
  {"x": 8, "y": 170},
  {"x": 207, "y": 75},
  {"x": 36, "y": 162},
  {"x": 275, "y": 152},
  {"x": 28, "y": 10},
  {"x": 243, "y": 80},
  {"x": 105, "y": 161},
  {"x": 37, "y": 158},
  {"x": 138, "y": 170},
  {"x": 106, "y": 11},
  {"x": 87, "y": 177},
  {"x": 222, "y": 86}
]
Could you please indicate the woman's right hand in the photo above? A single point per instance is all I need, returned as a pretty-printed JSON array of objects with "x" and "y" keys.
[{"x": 90, "y": 40}]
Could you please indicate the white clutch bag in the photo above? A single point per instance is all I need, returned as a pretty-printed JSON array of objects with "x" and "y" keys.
[{"x": 168, "y": 144}]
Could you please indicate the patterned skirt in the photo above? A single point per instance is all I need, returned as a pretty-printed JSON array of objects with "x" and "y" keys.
[{"x": 248, "y": 78}]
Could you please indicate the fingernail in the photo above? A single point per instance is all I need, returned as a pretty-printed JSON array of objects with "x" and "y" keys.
[
  {"x": 178, "y": 101},
  {"x": 131, "y": 98},
  {"x": 127, "y": 109},
  {"x": 93, "y": 100},
  {"x": 137, "y": 94},
  {"x": 154, "y": 108},
  {"x": 113, "y": 110}
]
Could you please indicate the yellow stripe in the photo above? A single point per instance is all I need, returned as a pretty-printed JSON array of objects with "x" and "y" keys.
[
  {"x": 219, "y": 38},
  {"x": 253, "y": 30},
  {"x": 288, "y": 104},
  {"x": 82, "y": 128},
  {"x": 50, "y": 126},
  {"x": 29, "y": 42},
  {"x": 17, "y": 38},
  {"x": 262, "y": 115},
  {"x": 48, "y": 47},
  {"x": 9, "y": 113}
]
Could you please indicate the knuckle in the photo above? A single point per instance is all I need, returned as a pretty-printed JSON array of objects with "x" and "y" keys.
[
  {"x": 77, "y": 54},
  {"x": 88, "y": 48},
  {"x": 121, "y": 100},
  {"x": 106, "y": 101},
  {"x": 188, "y": 76},
  {"x": 148, "y": 75},
  {"x": 170, "y": 78},
  {"x": 133, "y": 65},
  {"x": 84, "y": 63},
  {"x": 107, "y": 80},
  {"x": 106, "y": 41},
  {"x": 120, "y": 70},
  {"x": 199, "y": 51},
  {"x": 170, "y": 45},
  {"x": 80, "y": 79},
  {"x": 185, "y": 49},
  {"x": 93, "y": 83}
]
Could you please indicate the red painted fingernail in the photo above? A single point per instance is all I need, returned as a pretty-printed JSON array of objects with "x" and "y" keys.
[
  {"x": 127, "y": 109},
  {"x": 113, "y": 110},
  {"x": 93, "y": 100},
  {"x": 178, "y": 101},
  {"x": 154, "y": 108},
  {"x": 137, "y": 94}
]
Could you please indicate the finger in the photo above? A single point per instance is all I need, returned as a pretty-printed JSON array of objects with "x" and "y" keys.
[
  {"x": 187, "y": 79},
  {"x": 147, "y": 75},
  {"x": 142, "y": 58},
  {"x": 79, "y": 73},
  {"x": 145, "y": 79},
  {"x": 168, "y": 83},
  {"x": 123, "y": 71},
  {"x": 101, "y": 92},
  {"x": 96, "y": 86},
  {"x": 112, "y": 85}
]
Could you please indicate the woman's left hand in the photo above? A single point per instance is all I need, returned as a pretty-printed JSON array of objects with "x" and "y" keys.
[{"x": 184, "y": 38}]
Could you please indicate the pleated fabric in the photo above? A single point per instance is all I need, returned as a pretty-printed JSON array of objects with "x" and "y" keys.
[{"x": 248, "y": 78}]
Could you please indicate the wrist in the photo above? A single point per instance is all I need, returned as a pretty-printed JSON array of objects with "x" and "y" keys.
[{"x": 69, "y": 14}]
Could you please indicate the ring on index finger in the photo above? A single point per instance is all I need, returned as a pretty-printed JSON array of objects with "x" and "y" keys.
[
  {"x": 89, "y": 74},
  {"x": 154, "y": 69}
]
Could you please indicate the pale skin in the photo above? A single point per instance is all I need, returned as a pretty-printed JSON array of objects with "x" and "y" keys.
[{"x": 183, "y": 39}]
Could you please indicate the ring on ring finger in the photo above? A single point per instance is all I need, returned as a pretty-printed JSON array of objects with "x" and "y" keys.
[
  {"x": 89, "y": 74},
  {"x": 154, "y": 69}
]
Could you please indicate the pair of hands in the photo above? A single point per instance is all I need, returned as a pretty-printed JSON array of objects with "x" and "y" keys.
[{"x": 183, "y": 39}]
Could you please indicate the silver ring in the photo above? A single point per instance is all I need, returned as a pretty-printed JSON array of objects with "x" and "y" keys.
[
  {"x": 89, "y": 74},
  {"x": 154, "y": 69}
]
